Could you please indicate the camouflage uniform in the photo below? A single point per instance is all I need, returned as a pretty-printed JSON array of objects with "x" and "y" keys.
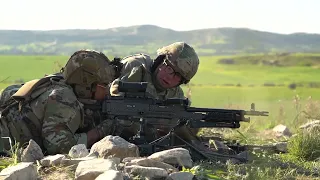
[
  {"x": 52, "y": 114},
  {"x": 51, "y": 119},
  {"x": 140, "y": 68}
]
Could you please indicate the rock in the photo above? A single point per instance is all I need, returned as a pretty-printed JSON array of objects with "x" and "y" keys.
[
  {"x": 180, "y": 175},
  {"x": 23, "y": 170},
  {"x": 115, "y": 146},
  {"x": 52, "y": 160},
  {"x": 110, "y": 175},
  {"x": 175, "y": 156},
  {"x": 152, "y": 163},
  {"x": 129, "y": 159},
  {"x": 78, "y": 151},
  {"x": 89, "y": 170},
  {"x": 310, "y": 125},
  {"x": 74, "y": 162},
  {"x": 282, "y": 130},
  {"x": 148, "y": 172},
  {"x": 32, "y": 152},
  {"x": 281, "y": 146},
  {"x": 93, "y": 154}
]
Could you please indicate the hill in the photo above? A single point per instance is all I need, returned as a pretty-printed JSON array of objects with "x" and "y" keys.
[{"x": 147, "y": 38}]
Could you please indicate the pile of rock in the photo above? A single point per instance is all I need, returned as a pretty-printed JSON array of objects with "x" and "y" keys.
[
  {"x": 111, "y": 158},
  {"x": 114, "y": 158}
]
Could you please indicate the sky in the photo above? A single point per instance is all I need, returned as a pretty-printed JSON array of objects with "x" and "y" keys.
[{"x": 280, "y": 16}]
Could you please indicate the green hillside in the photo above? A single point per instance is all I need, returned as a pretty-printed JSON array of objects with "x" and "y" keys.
[{"x": 147, "y": 38}]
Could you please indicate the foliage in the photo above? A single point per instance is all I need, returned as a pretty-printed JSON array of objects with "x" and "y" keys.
[
  {"x": 274, "y": 59},
  {"x": 13, "y": 159},
  {"x": 262, "y": 166},
  {"x": 306, "y": 144}
]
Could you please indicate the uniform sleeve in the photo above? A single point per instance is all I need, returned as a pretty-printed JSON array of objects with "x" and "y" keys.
[
  {"x": 62, "y": 117},
  {"x": 135, "y": 75},
  {"x": 133, "y": 68}
]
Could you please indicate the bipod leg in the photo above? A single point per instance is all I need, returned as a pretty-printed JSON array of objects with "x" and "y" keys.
[
  {"x": 190, "y": 145},
  {"x": 214, "y": 154},
  {"x": 161, "y": 138}
]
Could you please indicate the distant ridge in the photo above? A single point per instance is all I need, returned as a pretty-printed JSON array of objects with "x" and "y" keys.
[{"x": 147, "y": 38}]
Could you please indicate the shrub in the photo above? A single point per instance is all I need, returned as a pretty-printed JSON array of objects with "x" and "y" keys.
[{"x": 306, "y": 144}]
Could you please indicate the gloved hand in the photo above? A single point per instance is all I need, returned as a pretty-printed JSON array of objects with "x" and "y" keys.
[{"x": 105, "y": 128}]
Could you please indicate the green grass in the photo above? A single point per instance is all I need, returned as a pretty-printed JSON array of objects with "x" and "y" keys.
[
  {"x": 263, "y": 166},
  {"x": 209, "y": 84},
  {"x": 294, "y": 59},
  {"x": 25, "y": 68},
  {"x": 214, "y": 86},
  {"x": 306, "y": 145},
  {"x": 212, "y": 73}
]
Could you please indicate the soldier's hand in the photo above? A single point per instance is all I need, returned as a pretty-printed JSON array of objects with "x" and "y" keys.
[{"x": 105, "y": 128}]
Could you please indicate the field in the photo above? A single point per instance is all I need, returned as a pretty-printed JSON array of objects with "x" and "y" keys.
[{"x": 288, "y": 92}]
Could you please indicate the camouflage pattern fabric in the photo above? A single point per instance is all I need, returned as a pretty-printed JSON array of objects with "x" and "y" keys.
[
  {"x": 136, "y": 68},
  {"x": 51, "y": 119},
  {"x": 91, "y": 61}
]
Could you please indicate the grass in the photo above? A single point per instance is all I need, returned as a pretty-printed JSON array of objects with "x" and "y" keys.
[
  {"x": 263, "y": 166},
  {"x": 13, "y": 158},
  {"x": 212, "y": 73},
  {"x": 284, "y": 105},
  {"x": 306, "y": 145},
  {"x": 231, "y": 86},
  {"x": 25, "y": 68},
  {"x": 281, "y": 59}
]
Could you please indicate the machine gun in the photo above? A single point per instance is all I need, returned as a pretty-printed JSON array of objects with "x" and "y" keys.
[{"x": 136, "y": 106}]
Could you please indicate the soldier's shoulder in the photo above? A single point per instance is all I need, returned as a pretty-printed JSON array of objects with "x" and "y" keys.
[
  {"x": 62, "y": 87},
  {"x": 136, "y": 57},
  {"x": 59, "y": 91},
  {"x": 135, "y": 63},
  {"x": 136, "y": 60}
]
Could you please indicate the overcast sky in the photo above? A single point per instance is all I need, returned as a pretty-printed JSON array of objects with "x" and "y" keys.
[{"x": 281, "y": 16}]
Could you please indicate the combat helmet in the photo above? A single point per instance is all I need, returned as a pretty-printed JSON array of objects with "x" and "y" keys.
[
  {"x": 182, "y": 58},
  {"x": 86, "y": 68}
]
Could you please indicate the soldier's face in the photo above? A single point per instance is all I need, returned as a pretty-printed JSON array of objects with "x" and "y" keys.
[{"x": 167, "y": 77}]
